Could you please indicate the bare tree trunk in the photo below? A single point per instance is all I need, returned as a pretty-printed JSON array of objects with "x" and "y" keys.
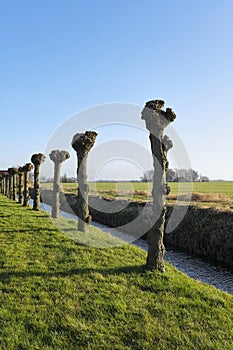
[
  {"x": 26, "y": 169},
  {"x": 83, "y": 190},
  {"x": 82, "y": 144},
  {"x": 37, "y": 160},
  {"x": 156, "y": 121},
  {"x": 14, "y": 174},
  {"x": 58, "y": 157},
  {"x": 7, "y": 185},
  {"x": 10, "y": 183},
  {"x": 20, "y": 173}
]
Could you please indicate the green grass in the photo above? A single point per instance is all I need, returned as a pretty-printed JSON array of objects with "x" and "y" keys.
[{"x": 57, "y": 294}]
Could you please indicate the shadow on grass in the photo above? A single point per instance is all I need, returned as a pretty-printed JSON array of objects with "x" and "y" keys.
[
  {"x": 138, "y": 269},
  {"x": 29, "y": 230}
]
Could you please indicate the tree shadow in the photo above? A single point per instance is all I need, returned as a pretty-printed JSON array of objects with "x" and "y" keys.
[
  {"x": 137, "y": 269},
  {"x": 29, "y": 230}
]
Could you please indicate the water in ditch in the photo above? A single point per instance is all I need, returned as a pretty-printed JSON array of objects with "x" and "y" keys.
[{"x": 198, "y": 269}]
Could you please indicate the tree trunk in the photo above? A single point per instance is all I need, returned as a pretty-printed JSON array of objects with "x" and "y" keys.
[
  {"x": 20, "y": 186},
  {"x": 26, "y": 191},
  {"x": 156, "y": 249},
  {"x": 14, "y": 195},
  {"x": 83, "y": 195},
  {"x": 7, "y": 186},
  {"x": 56, "y": 190},
  {"x": 10, "y": 186},
  {"x": 36, "y": 199}
]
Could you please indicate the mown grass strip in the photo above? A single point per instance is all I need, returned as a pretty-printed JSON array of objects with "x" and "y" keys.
[{"x": 57, "y": 294}]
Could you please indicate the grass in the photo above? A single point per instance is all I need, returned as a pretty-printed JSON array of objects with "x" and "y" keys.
[{"x": 58, "y": 294}]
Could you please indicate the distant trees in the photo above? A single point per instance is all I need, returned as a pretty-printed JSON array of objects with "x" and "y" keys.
[
  {"x": 64, "y": 179},
  {"x": 177, "y": 175}
]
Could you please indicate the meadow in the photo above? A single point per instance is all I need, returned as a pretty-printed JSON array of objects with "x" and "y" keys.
[
  {"x": 202, "y": 191},
  {"x": 57, "y": 293}
]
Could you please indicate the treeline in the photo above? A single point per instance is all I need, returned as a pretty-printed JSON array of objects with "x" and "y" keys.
[
  {"x": 64, "y": 179},
  {"x": 177, "y": 175}
]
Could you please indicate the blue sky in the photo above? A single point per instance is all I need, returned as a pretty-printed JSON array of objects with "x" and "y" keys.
[{"x": 60, "y": 57}]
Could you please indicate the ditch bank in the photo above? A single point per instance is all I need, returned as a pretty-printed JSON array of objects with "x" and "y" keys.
[{"x": 204, "y": 232}]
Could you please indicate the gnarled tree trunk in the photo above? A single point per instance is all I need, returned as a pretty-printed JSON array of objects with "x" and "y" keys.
[
  {"x": 82, "y": 144},
  {"x": 156, "y": 121},
  {"x": 58, "y": 157},
  {"x": 37, "y": 159}
]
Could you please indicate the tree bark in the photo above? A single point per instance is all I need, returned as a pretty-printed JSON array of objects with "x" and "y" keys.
[
  {"x": 83, "y": 190},
  {"x": 7, "y": 185},
  {"x": 20, "y": 185},
  {"x": 26, "y": 169}
]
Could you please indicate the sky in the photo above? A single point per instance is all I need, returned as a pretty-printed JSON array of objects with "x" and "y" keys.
[{"x": 61, "y": 60}]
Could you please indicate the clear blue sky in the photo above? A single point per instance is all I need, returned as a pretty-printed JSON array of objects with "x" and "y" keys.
[{"x": 60, "y": 57}]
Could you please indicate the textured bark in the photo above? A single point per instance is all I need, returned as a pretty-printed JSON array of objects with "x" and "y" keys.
[
  {"x": 10, "y": 183},
  {"x": 14, "y": 183},
  {"x": 58, "y": 157},
  {"x": 7, "y": 185},
  {"x": 26, "y": 169},
  {"x": 37, "y": 159},
  {"x": 20, "y": 175},
  {"x": 82, "y": 144},
  {"x": 156, "y": 121}
]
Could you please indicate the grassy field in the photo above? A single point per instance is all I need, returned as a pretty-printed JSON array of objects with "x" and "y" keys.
[
  {"x": 57, "y": 294},
  {"x": 217, "y": 191}
]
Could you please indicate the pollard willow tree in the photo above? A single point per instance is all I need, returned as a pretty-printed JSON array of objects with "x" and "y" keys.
[
  {"x": 82, "y": 144},
  {"x": 156, "y": 121},
  {"x": 37, "y": 159},
  {"x": 26, "y": 170},
  {"x": 58, "y": 157}
]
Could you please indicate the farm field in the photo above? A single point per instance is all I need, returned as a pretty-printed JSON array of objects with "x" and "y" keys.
[
  {"x": 142, "y": 190},
  {"x": 59, "y": 294}
]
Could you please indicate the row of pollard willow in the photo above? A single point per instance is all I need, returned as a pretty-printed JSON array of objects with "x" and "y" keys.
[
  {"x": 156, "y": 121},
  {"x": 15, "y": 178},
  {"x": 18, "y": 178}
]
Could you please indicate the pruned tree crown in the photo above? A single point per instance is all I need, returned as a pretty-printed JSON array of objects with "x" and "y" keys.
[
  {"x": 58, "y": 156},
  {"x": 38, "y": 158},
  {"x": 82, "y": 143}
]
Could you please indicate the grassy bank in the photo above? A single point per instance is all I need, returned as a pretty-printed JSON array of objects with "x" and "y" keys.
[{"x": 57, "y": 294}]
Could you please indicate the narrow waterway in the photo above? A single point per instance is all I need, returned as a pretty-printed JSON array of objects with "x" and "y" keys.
[{"x": 193, "y": 267}]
